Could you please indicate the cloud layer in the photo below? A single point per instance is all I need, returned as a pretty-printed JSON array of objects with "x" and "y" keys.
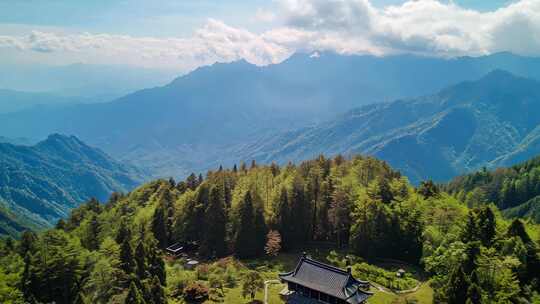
[{"x": 345, "y": 26}]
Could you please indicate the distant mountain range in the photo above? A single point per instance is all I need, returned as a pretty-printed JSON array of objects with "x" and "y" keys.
[
  {"x": 494, "y": 121},
  {"x": 94, "y": 82},
  {"x": 40, "y": 184},
  {"x": 14, "y": 101},
  {"x": 225, "y": 113}
]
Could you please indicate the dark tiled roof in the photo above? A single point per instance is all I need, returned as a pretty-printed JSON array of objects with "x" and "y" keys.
[{"x": 327, "y": 279}]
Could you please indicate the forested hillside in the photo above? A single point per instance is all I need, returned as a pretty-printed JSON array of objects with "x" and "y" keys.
[
  {"x": 40, "y": 184},
  {"x": 113, "y": 253},
  {"x": 516, "y": 189}
]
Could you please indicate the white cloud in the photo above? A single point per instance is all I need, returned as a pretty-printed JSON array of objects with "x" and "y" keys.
[
  {"x": 423, "y": 26},
  {"x": 345, "y": 26},
  {"x": 215, "y": 41}
]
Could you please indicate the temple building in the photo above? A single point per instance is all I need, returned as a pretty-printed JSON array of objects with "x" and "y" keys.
[{"x": 315, "y": 282}]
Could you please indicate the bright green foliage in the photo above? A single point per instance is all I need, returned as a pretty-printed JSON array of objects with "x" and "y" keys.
[
  {"x": 360, "y": 206},
  {"x": 134, "y": 295},
  {"x": 54, "y": 271},
  {"x": 251, "y": 284},
  {"x": 516, "y": 188}
]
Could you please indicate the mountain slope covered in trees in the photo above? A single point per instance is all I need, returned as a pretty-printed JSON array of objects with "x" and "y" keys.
[
  {"x": 40, "y": 184},
  {"x": 492, "y": 121},
  {"x": 112, "y": 253},
  {"x": 516, "y": 189},
  {"x": 205, "y": 118}
]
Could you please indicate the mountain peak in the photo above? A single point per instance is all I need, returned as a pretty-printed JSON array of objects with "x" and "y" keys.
[
  {"x": 61, "y": 138},
  {"x": 499, "y": 74}
]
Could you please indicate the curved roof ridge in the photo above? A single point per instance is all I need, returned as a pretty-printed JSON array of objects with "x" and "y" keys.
[{"x": 327, "y": 266}]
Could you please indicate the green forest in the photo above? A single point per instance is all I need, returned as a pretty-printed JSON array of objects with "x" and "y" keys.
[
  {"x": 515, "y": 190},
  {"x": 240, "y": 217}
]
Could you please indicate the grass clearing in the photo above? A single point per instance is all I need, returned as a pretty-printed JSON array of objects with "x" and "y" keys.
[{"x": 270, "y": 268}]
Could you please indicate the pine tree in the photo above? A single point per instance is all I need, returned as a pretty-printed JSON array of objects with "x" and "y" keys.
[
  {"x": 474, "y": 293},
  {"x": 200, "y": 180},
  {"x": 159, "y": 225},
  {"x": 27, "y": 279},
  {"x": 213, "y": 242},
  {"x": 472, "y": 251},
  {"x": 127, "y": 264},
  {"x": 245, "y": 240},
  {"x": 61, "y": 224},
  {"x": 428, "y": 189},
  {"x": 94, "y": 206},
  {"x": 457, "y": 287},
  {"x": 517, "y": 229},
  {"x": 486, "y": 226},
  {"x": 470, "y": 231},
  {"x": 191, "y": 182},
  {"x": 282, "y": 214},
  {"x": 299, "y": 214},
  {"x": 92, "y": 234},
  {"x": 157, "y": 291},
  {"x": 140, "y": 261},
  {"x": 134, "y": 295},
  {"x": 172, "y": 182},
  {"x": 123, "y": 233},
  {"x": 157, "y": 266},
  {"x": 27, "y": 244},
  {"x": 261, "y": 230}
]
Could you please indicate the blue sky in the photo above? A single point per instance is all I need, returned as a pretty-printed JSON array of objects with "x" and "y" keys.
[
  {"x": 153, "y": 18},
  {"x": 186, "y": 34}
]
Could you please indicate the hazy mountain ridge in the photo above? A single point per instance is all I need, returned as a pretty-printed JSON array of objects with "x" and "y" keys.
[
  {"x": 96, "y": 82},
  {"x": 219, "y": 114},
  {"x": 460, "y": 129},
  {"x": 41, "y": 183}
]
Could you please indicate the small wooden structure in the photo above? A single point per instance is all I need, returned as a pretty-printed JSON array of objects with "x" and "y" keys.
[
  {"x": 315, "y": 282},
  {"x": 178, "y": 249},
  {"x": 175, "y": 249}
]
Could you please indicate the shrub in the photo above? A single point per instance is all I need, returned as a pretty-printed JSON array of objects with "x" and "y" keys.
[{"x": 195, "y": 292}]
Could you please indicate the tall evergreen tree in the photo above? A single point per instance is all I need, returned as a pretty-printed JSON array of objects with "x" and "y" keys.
[
  {"x": 157, "y": 291},
  {"x": 123, "y": 233},
  {"x": 91, "y": 237},
  {"x": 134, "y": 295},
  {"x": 457, "y": 287},
  {"x": 299, "y": 211},
  {"x": 27, "y": 244},
  {"x": 245, "y": 240},
  {"x": 157, "y": 267},
  {"x": 127, "y": 264},
  {"x": 213, "y": 242},
  {"x": 486, "y": 226},
  {"x": 283, "y": 221},
  {"x": 517, "y": 229},
  {"x": 261, "y": 230},
  {"x": 140, "y": 261},
  {"x": 159, "y": 225}
]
